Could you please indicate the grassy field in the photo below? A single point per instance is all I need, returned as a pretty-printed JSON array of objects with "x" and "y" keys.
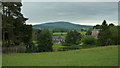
[
  {"x": 59, "y": 33},
  {"x": 83, "y": 32},
  {"x": 59, "y": 45},
  {"x": 64, "y": 33},
  {"x": 99, "y": 56}
]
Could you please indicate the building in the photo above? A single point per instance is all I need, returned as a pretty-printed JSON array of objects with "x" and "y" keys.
[
  {"x": 95, "y": 33},
  {"x": 58, "y": 39}
]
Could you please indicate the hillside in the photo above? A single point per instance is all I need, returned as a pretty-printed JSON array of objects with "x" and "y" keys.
[
  {"x": 61, "y": 24},
  {"x": 99, "y": 56}
]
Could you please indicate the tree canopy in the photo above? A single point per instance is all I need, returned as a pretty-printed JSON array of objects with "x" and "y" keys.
[
  {"x": 45, "y": 41},
  {"x": 14, "y": 28}
]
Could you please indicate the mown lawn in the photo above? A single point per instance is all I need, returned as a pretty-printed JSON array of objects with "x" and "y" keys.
[{"x": 99, "y": 56}]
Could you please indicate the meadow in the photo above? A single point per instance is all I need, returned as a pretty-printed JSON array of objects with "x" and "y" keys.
[
  {"x": 98, "y": 56},
  {"x": 60, "y": 33},
  {"x": 64, "y": 33}
]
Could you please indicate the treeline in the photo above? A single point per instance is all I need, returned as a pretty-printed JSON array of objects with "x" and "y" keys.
[
  {"x": 14, "y": 29},
  {"x": 109, "y": 34},
  {"x": 59, "y": 30}
]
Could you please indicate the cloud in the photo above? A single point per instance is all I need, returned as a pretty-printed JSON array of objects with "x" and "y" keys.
[
  {"x": 70, "y": 11},
  {"x": 70, "y": 0}
]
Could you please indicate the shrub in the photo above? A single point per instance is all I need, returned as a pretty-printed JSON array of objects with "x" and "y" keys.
[{"x": 88, "y": 40}]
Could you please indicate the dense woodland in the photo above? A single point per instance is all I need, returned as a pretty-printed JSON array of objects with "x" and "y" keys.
[{"x": 17, "y": 33}]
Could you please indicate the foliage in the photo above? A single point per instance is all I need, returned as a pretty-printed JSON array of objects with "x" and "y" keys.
[
  {"x": 89, "y": 32},
  {"x": 113, "y": 39},
  {"x": 108, "y": 34},
  {"x": 111, "y": 24},
  {"x": 59, "y": 30},
  {"x": 83, "y": 29},
  {"x": 118, "y": 35},
  {"x": 45, "y": 41},
  {"x": 97, "y": 27},
  {"x": 72, "y": 38},
  {"x": 88, "y": 40},
  {"x": 14, "y": 29}
]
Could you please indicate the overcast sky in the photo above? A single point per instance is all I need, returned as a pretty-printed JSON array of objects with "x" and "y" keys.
[{"x": 85, "y": 13}]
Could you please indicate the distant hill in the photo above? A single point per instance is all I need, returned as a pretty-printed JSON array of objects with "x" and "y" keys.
[{"x": 61, "y": 24}]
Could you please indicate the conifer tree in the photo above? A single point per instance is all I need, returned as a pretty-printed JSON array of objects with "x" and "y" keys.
[{"x": 45, "y": 41}]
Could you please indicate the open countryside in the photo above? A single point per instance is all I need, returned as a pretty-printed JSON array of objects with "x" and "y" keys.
[{"x": 53, "y": 35}]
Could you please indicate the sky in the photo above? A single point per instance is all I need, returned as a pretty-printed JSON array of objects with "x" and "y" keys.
[{"x": 84, "y": 13}]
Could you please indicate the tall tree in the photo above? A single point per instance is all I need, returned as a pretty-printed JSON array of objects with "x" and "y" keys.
[
  {"x": 104, "y": 34},
  {"x": 13, "y": 23},
  {"x": 45, "y": 41}
]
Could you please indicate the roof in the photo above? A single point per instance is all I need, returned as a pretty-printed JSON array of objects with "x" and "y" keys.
[{"x": 58, "y": 37}]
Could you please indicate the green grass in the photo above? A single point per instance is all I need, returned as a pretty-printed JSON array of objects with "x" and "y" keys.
[
  {"x": 99, "y": 56},
  {"x": 35, "y": 43},
  {"x": 59, "y": 46},
  {"x": 59, "y": 33},
  {"x": 64, "y": 33},
  {"x": 83, "y": 32}
]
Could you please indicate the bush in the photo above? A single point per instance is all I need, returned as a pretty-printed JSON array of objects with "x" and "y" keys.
[{"x": 88, "y": 40}]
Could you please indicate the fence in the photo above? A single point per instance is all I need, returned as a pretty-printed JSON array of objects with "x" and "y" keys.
[{"x": 14, "y": 49}]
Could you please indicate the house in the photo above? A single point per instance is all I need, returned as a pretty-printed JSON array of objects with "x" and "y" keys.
[
  {"x": 95, "y": 33},
  {"x": 58, "y": 39}
]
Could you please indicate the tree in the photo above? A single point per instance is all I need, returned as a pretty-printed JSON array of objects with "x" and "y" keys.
[
  {"x": 104, "y": 34},
  {"x": 59, "y": 30},
  {"x": 108, "y": 34},
  {"x": 113, "y": 35},
  {"x": 118, "y": 35},
  {"x": 111, "y": 24},
  {"x": 88, "y": 40},
  {"x": 27, "y": 37},
  {"x": 45, "y": 41},
  {"x": 12, "y": 20},
  {"x": 97, "y": 27},
  {"x": 72, "y": 38},
  {"x": 89, "y": 31},
  {"x": 15, "y": 31}
]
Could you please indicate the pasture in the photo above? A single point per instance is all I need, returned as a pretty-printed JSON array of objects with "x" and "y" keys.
[
  {"x": 60, "y": 33},
  {"x": 64, "y": 33},
  {"x": 98, "y": 56}
]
